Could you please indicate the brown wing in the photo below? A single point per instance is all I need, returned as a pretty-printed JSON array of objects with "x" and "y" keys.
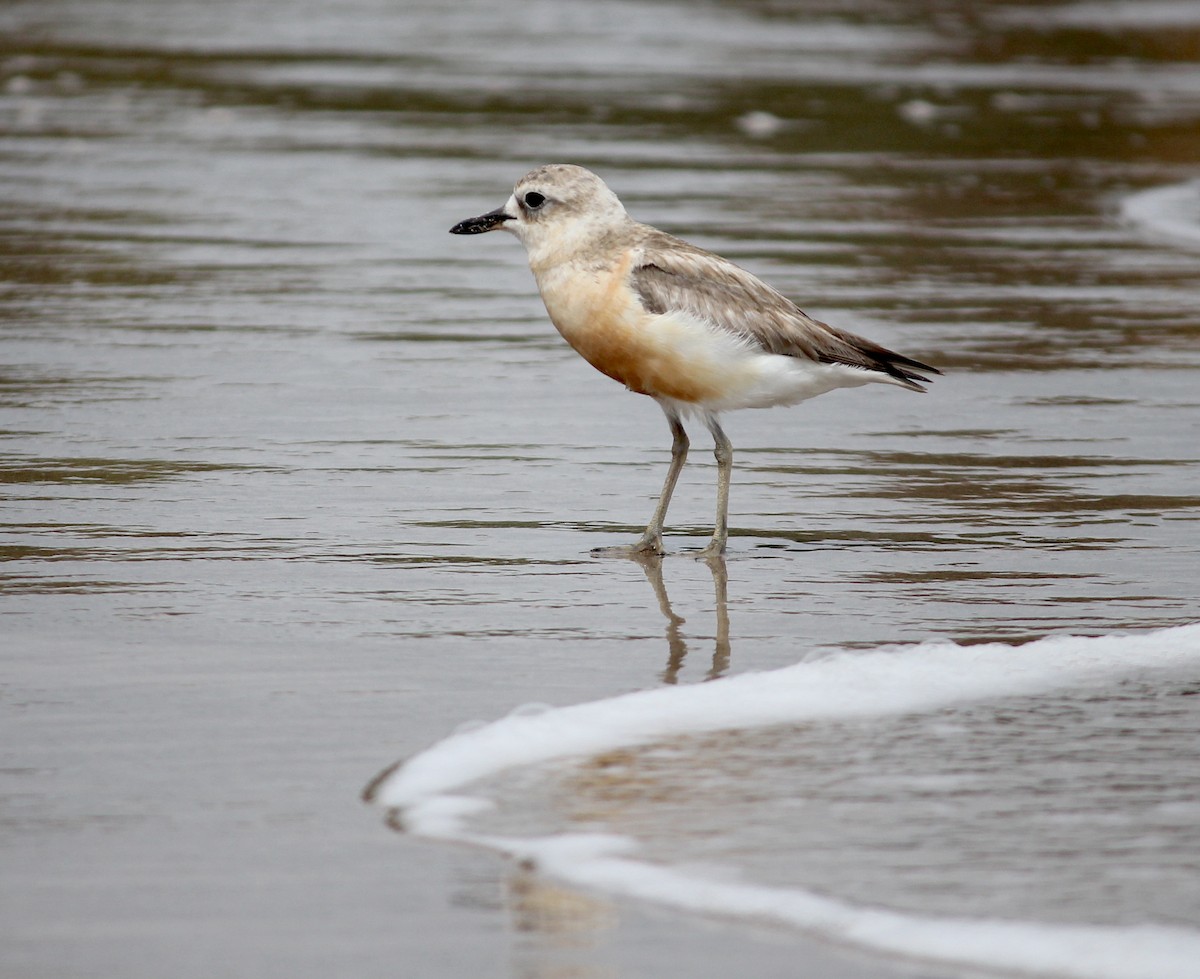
[{"x": 675, "y": 276}]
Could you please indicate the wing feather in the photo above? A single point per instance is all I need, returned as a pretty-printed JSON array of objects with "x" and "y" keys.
[{"x": 673, "y": 275}]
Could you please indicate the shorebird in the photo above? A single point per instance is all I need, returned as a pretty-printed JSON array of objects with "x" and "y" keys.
[{"x": 676, "y": 323}]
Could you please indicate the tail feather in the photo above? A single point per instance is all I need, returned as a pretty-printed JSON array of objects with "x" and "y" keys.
[
  {"x": 856, "y": 351},
  {"x": 908, "y": 372}
]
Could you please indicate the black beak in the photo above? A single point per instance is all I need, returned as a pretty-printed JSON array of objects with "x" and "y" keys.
[{"x": 485, "y": 222}]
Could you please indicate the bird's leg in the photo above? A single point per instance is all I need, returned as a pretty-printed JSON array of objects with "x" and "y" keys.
[
  {"x": 720, "y": 576},
  {"x": 651, "y": 541},
  {"x": 652, "y": 538},
  {"x": 723, "y": 450}
]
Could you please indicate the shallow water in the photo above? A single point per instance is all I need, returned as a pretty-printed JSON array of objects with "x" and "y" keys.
[
  {"x": 1010, "y": 809},
  {"x": 1065, "y": 809},
  {"x": 295, "y": 482}
]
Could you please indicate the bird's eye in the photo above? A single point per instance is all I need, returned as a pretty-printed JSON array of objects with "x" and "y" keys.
[{"x": 534, "y": 200}]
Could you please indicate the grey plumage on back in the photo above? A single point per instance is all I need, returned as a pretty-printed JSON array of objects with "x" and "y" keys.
[{"x": 674, "y": 275}]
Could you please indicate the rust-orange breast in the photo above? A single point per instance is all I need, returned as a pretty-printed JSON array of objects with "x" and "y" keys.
[{"x": 602, "y": 318}]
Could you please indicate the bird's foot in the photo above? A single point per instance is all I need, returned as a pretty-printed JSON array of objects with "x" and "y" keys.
[
  {"x": 646, "y": 547},
  {"x": 714, "y": 549}
]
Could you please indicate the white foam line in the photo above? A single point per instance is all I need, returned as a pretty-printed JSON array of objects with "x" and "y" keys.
[
  {"x": 1021, "y": 948},
  {"x": 1049, "y": 951},
  {"x": 884, "y": 683},
  {"x": 888, "y": 682}
]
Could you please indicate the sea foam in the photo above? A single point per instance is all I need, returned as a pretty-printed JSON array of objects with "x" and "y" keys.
[{"x": 888, "y": 682}]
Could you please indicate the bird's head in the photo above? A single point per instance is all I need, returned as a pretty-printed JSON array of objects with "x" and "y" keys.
[{"x": 557, "y": 208}]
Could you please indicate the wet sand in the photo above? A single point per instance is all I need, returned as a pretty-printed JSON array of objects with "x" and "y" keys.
[{"x": 295, "y": 483}]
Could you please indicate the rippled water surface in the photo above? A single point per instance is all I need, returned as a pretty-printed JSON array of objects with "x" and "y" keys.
[{"x": 294, "y": 482}]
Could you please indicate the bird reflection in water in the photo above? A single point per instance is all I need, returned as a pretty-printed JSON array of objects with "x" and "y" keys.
[{"x": 677, "y": 648}]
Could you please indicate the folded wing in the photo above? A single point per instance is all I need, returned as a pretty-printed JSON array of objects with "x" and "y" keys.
[{"x": 672, "y": 275}]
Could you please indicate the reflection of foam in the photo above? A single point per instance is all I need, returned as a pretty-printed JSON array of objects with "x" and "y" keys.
[
  {"x": 883, "y": 683},
  {"x": 1171, "y": 212}
]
